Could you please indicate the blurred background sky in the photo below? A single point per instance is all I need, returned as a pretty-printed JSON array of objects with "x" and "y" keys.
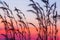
[{"x": 23, "y": 6}]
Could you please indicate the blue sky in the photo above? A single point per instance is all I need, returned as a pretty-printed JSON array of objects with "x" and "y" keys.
[{"x": 23, "y": 4}]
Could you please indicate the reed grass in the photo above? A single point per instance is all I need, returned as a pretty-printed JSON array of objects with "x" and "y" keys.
[{"x": 43, "y": 18}]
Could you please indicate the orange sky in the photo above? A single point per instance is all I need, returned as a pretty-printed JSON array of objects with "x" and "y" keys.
[{"x": 32, "y": 29}]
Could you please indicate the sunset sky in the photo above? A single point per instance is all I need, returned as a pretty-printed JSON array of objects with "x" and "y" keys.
[{"x": 23, "y": 6}]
